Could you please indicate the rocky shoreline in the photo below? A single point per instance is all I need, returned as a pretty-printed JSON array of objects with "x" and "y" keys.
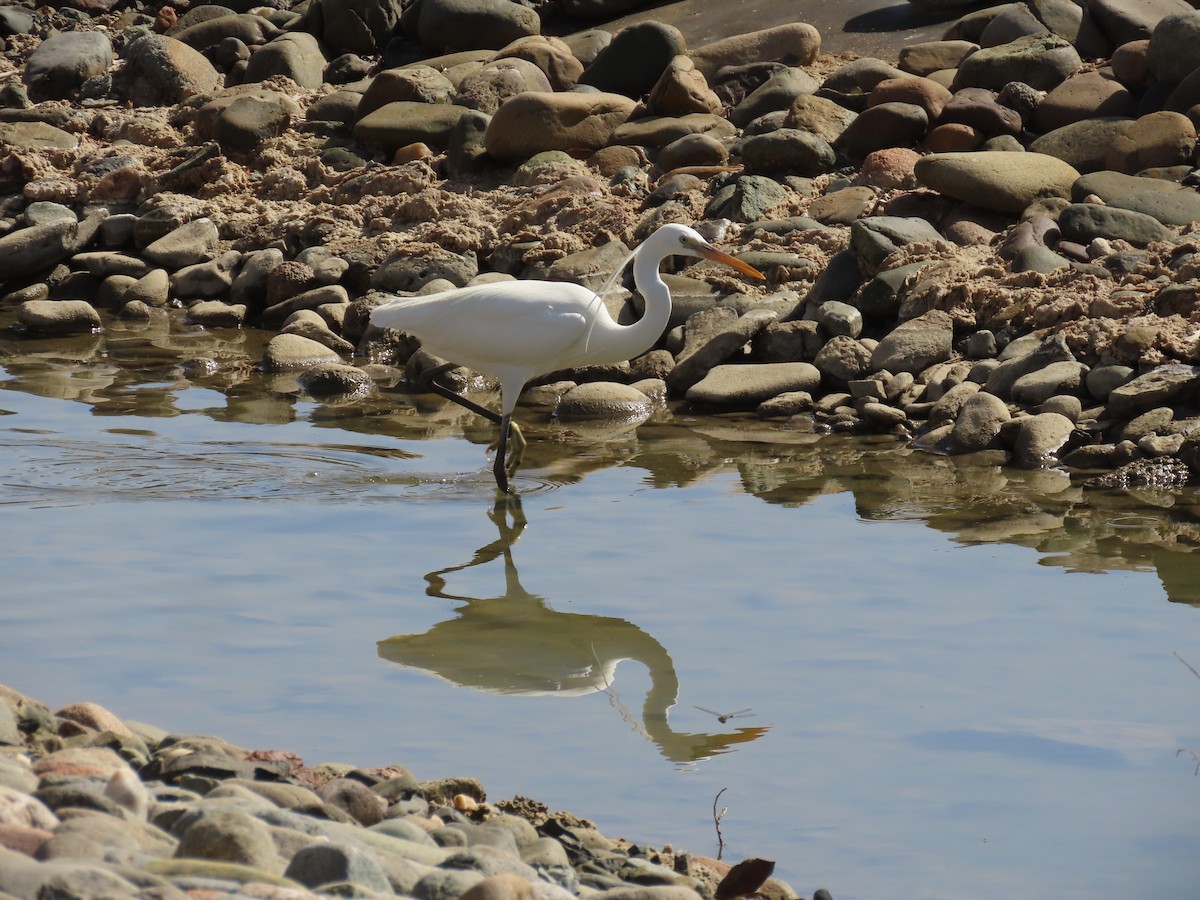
[
  {"x": 987, "y": 246},
  {"x": 92, "y": 806}
]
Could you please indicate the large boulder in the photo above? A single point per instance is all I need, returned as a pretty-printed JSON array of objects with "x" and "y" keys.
[
  {"x": 62, "y": 63},
  {"x": 449, "y": 25},
  {"x": 533, "y": 122},
  {"x": 161, "y": 71}
]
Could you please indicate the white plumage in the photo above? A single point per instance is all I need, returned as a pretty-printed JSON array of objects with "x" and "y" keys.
[{"x": 515, "y": 331}]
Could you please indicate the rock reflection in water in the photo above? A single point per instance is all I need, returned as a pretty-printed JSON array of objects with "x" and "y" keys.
[{"x": 515, "y": 643}]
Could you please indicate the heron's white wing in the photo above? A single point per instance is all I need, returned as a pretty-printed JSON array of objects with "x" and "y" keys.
[{"x": 510, "y": 324}]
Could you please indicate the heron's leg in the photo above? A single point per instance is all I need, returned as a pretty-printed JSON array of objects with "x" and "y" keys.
[
  {"x": 429, "y": 382},
  {"x": 499, "y": 469}
]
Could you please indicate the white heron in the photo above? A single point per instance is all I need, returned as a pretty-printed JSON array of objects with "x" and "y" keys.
[{"x": 515, "y": 331}]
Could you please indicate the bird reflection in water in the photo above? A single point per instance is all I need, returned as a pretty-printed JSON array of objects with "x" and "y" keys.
[{"x": 516, "y": 644}]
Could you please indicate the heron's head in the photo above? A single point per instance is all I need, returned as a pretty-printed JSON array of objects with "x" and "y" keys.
[{"x": 685, "y": 241}]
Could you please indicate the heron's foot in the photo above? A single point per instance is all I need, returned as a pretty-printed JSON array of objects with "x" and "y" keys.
[{"x": 515, "y": 448}]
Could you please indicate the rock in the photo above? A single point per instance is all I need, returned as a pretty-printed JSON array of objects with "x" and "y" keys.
[
  {"x": 874, "y": 239},
  {"x": 603, "y": 400},
  {"x": 211, "y": 278},
  {"x": 794, "y": 44},
  {"x": 405, "y": 122},
  {"x": 161, "y": 71},
  {"x": 932, "y": 56},
  {"x": 61, "y": 63},
  {"x": 358, "y": 26},
  {"x": 916, "y": 344},
  {"x": 187, "y": 245},
  {"x": 216, "y": 314},
  {"x": 330, "y": 380},
  {"x": 1123, "y": 22},
  {"x": 842, "y": 359},
  {"x": 635, "y": 59},
  {"x": 294, "y": 54},
  {"x": 1163, "y": 138},
  {"x": 978, "y": 423},
  {"x": 36, "y": 136},
  {"x": 204, "y": 34},
  {"x": 59, "y": 316},
  {"x": 247, "y": 122},
  {"x": 840, "y": 318},
  {"x": 1083, "y": 96},
  {"x": 882, "y": 126},
  {"x": 530, "y": 123},
  {"x": 1083, "y": 222},
  {"x": 1174, "y": 46},
  {"x": 1162, "y": 386},
  {"x": 1042, "y": 62},
  {"x": 1039, "y": 438},
  {"x": 323, "y": 864},
  {"x": 748, "y": 199},
  {"x": 744, "y": 387},
  {"x": 290, "y": 351},
  {"x": 1036, "y": 387},
  {"x": 658, "y": 131},
  {"x": 692, "y": 150},
  {"x": 1035, "y": 356},
  {"x": 498, "y": 81},
  {"x": 364, "y": 806},
  {"x": 1002, "y": 182},
  {"x": 681, "y": 90},
  {"x": 552, "y": 55},
  {"x": 230, "y": 836},
  {"x": 819, "y": 115},
  {"x": 787, "y": 150},
  {"x": 413, "y": 84},
  {"x": 779, "y": 92},
  {"x": 27, "y": 251},
  {"x": 449, "y": 25},
  {"x": 402, "y": 272},
  {"x": 1086, "y": 145},
  {"x": 978, "y": 108},
  {"x": 710, "y": 337}
]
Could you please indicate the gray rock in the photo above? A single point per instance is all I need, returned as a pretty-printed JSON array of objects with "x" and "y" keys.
[
  {"x": 1083, "y": 222},
  {"x": 30, "y": 250},
  {"x": 602, "y": 400},
  {"x": 230, "y": 836},
  {"x": 712, "y": 336},
  {"x": 1042, "y": 62},
  {"x": 1083, "y": 145},
  {"x": 1039, "y": 438},
  {"x": 778, "y": 92},
  {"x": 321, "y": 864},
  {"x": 403, "y": 272},
  {"x": 186, "y": 245},
  {"x": 359, "y": 26},
  {"x": 842, "y": 360},
  {"x": 291, "y": 351},
  {"x": 335, "y": 381},
  {"x": 1103, "y": 380},
  {"x": 498, "y": 81},
  {"x": 1028, "y": 357},
  {"x": 787, "y": 150},
  {"x": 916, "y": 344},
  {"x": 206, "y": 279},
  {"x": 1171, "y": 208},
  {"x": 244, "y": 124},
  {"x": 748, "y": 199},
  {"x": 294, "y": 54},
  {"x": 978, "y": 423},
  {"x": 1174, "y": 46},
  {"x": 891, "y": 124},
  {"x": 1038, "y": 259},
  {"x": 446, "y": 884},
  {"x": 36, "y": 136},
  {"x": 161, "y": 71},
  {"x": 1036, "y": 387},
  {"x": 840, "y": 318},
  {"x": 876, "y": 238},
  {"x": 1162, "y": 386},
  {"x": 635, "y": 59},
  {"x": 793, "y": 341},
  {"x": 745, "y": 387},
  {"x": 274, "y": 316},
  {"x": 449, "y": 25},
  {"x": 61, "y": 63},
  {"x": 59, "y": 316}
]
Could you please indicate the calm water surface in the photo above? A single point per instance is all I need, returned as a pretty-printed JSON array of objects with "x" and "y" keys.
[{"x": 962, "y": 681}]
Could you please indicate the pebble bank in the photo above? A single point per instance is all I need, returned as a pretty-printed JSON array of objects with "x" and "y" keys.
[
  {"x": 985, "y": 245},
  {"x": 95, "y": 807}
]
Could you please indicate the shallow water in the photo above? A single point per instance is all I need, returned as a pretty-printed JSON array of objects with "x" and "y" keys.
[{"x": 961, "y": 681}]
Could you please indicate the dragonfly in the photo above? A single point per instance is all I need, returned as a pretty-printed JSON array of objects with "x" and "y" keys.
[{"x": 725, "y": 717}]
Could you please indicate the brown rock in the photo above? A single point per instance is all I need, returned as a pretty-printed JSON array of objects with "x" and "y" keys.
[
  {"x": 1162, "y": 138},
  {"x": 1083, "y": 96},
  {"x": 530, "y": 123},
  {"x": 929, "y": 95}
]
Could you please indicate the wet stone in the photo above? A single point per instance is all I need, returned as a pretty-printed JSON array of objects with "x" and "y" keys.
[
  {"x": 59, "y": 316},
  {"x": 745, "y": 387}
]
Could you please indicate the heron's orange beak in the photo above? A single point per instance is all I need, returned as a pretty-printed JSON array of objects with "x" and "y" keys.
[{"x": 732, "y": 261}]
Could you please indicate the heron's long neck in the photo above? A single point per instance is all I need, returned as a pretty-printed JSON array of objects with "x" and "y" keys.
[{"x": 622, "y": 342}]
